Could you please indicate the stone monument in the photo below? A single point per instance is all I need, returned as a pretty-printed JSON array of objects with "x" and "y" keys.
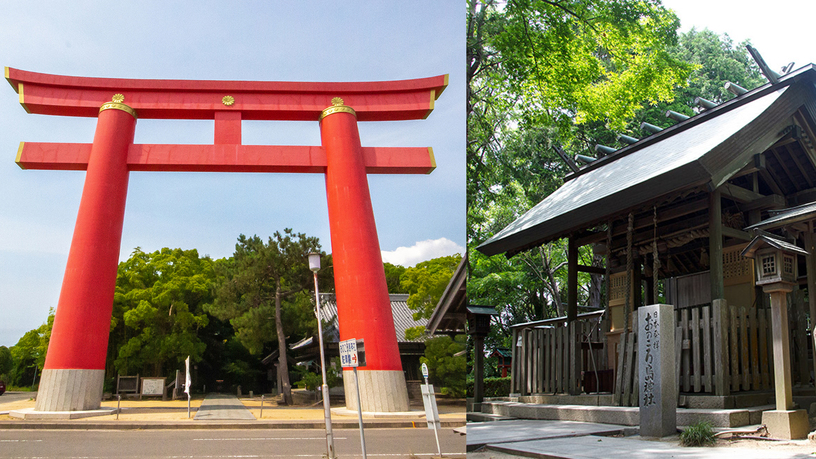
[{"x": 656, "y": 371}]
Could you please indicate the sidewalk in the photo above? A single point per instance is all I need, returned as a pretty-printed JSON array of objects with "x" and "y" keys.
[
  {"x": 225, "y": 412},
  {"x": 583, "y": 440}
]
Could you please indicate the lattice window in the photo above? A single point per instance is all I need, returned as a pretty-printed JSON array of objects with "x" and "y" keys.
[
  {"x": 618, "y": 290},
  {"x": 768, "y": 265},
  {"x": 735, "y": 265},
  {"x": 788, "y": 264}
]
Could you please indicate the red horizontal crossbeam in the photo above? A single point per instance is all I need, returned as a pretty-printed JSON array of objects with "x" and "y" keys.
[
  {"x": 225, "y": 158},
  {"x": 255, "y": 100}
]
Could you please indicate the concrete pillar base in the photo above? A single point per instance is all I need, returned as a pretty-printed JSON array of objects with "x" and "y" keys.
[
  {"x": 382, "y": 391},
  {"x": 70, "y": 390},
  {"x": 787, "y": 424}
]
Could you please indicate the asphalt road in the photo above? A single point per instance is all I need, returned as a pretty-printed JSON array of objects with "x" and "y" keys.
[
  {"x": 273, "y": 443},
  {"x": 16, "y": 396}
]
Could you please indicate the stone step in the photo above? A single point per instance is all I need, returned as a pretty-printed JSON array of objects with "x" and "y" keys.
[
  {"x": 486, "y": 417},
  {"x": 621, "y": 415}
]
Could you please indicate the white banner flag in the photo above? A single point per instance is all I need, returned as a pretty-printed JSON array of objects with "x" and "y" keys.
[{"x": 187, "y": 380}]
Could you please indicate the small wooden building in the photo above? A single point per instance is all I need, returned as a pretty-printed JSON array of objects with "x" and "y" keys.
[
  {"x": 504, "y": 359},
  {"x": 671, "y": 213}
]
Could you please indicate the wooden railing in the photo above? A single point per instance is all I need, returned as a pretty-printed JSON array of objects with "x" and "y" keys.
[
  {"x": 720, "y": 349},
  {"x": 550, "y": 356}
]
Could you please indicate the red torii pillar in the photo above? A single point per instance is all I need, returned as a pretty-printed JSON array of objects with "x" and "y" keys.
[{"x": 74, "y": 369}]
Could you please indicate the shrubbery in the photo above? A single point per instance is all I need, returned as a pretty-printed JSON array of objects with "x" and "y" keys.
[{"x": 493, "y": 387}]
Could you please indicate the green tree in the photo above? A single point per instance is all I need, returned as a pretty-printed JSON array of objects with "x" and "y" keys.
[
  {"x": 158, "y": 310},
  {"x": 6, "y": 363},
  {"x": 425, "y": 283},
  {"x": 446, "y": 369},
  {"x": 392, "y": 277},
  {"x": 717, "y": 60},
  {"x": 567, "y": 71},
  {"x": 28, "y": 355},
  {"x": 266, "y": 280}
]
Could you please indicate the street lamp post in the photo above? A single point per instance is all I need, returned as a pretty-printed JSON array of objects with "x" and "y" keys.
[{"x": 314, "y": 265}]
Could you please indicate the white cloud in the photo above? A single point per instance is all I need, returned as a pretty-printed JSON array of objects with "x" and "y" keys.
[{"x": 422, "y": 251}]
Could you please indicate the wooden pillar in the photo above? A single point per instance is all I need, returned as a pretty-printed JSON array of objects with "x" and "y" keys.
[
  {"x": 637, "y": 289},
  {"x": 810, "y": 261},
  {"x": 572, "y": 280},
  {"x": 514, "y": 362},
  {"x": 721, "y": 381},
  {"x": 781, "y": 350},
  {"x": 715, "y": 245},
  {"x": 478, "y": 370}
]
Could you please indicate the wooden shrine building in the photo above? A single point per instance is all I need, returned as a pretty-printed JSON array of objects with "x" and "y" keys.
[{"x": 672, "y": 213}]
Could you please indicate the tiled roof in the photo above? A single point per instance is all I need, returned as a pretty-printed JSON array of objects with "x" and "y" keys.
[{"x": 403, "y": 316}]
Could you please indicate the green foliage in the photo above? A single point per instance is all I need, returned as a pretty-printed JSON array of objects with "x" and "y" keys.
[
  {"x": 414, "y": 333},
  {"x": 392, "y": 277},
  {"x": 426, "y": 282},
  {"x": 493, "y": 387},
  {"x": 717, "y": 61},
  {"x": 258, "y": 274},
  {"x": 334, "y": 373},
  {"x": 569, "y": 74},
  {"x": 158, "y": 310},
  {"x": 312, "y": 381},
  {"x": 698, "y": 434},
  {"x": 28, "y": 355},
  {"x": 6, "y": 363},
  {"x": 446, "y": 370},
  {"x": 264, "y": 281}
]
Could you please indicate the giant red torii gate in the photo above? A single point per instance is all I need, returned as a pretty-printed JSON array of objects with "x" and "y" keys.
[{"x": 74, "y": 368}]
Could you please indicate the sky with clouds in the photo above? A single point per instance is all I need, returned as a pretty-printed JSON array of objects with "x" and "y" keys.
[{"x": 418, "y": 216}]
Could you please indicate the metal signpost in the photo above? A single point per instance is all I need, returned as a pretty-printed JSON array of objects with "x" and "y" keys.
[
  {"x": 349, "y": 357},
  {"x": 314, "y": 266},
  {"x": 431, "y": 413},
  {"x": 188, "y": 382}
]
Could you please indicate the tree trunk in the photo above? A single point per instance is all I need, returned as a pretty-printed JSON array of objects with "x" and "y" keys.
[
  {"x": 552, "y": 283},
  {"x": 595, "y": 282},
  {"x": 283, "y": 367}
]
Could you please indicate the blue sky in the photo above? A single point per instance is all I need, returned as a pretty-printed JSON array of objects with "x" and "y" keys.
[
  {"x": 418, "y": 217},
  {"x": 780, "y": 30}
]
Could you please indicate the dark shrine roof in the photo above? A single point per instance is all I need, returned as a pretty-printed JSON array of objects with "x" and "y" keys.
[{"x": 705, "y": 150}]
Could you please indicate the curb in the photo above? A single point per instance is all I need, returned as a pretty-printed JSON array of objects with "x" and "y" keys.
[{"x": 214, "y": 425}]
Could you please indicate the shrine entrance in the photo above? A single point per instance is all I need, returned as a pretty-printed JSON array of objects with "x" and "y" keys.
[{"x": 74, "y": 370}]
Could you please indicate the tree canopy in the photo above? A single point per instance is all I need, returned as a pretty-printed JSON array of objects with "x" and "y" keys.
[
  {"x": 266, "y": 280},
  {"x": 568, "y": 74},
  {"x": 159, "y": 310}
]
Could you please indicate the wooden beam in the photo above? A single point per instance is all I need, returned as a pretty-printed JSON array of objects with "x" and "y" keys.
[
  {"x": 737, "y": 234},
  {"x": 750, "y": 200},
  {"x": 738, "y": 193},
  {"x": 645, "y": 220},
  {"x": 715, "y": 244},
  {"x": 785, "y": 169},
  {"x": 755, "y": 165},
  {"x": 799, "y": 165},
  {"x": 803, "y": 120},
  {"x": 772, "y": 201},
  {"x": 572, "y": 280},
  {"x": 591, "y": 269}
]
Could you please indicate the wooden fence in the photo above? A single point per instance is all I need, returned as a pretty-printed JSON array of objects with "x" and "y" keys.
[
  {"x": 549, "y": 359},
  {"x": 720, "y": 349}
]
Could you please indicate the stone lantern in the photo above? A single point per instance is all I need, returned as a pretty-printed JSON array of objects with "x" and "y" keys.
[{"x": 776, "y": 271}]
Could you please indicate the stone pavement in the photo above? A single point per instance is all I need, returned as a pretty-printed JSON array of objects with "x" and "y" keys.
[
  {"x": 580, "y": 440},
  {"x": 227, "y": 412},
  {"x": 222, "y": 407}
]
